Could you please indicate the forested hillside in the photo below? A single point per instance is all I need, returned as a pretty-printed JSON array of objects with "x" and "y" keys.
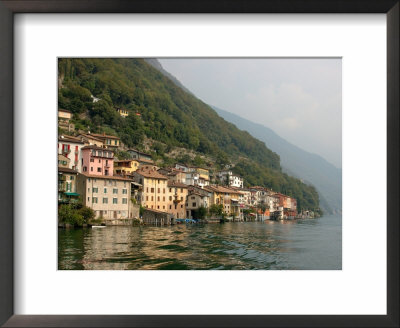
[{"x": 159, "y": 110}]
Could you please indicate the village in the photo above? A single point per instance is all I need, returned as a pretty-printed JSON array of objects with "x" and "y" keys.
[{"x": 124, "y": 191}]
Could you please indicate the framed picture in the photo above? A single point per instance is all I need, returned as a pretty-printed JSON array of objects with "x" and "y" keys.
[{"x": 137, "y": 149}]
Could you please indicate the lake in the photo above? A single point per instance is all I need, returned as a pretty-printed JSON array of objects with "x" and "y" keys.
[{"x": 309, "y": 244}]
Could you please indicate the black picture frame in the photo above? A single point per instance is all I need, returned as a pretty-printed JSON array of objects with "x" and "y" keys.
[{"x": 7, "y": 10}]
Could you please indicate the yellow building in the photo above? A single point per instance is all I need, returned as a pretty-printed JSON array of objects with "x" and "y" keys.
[
  {"x": 203, "y": 173},
  {"x": 154, "y": 193},
  {"x": 226, "y": 197},
  {"x": 126, "y": 167},
  {"x": 177, "y": 193},
  {"x": 108, "y": 141},
  {"x": 122, "y": 112},
  {"x": 90, "y": 140}
]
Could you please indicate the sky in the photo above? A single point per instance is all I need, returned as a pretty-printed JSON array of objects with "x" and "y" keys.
[{"x": 300, "y": 99}]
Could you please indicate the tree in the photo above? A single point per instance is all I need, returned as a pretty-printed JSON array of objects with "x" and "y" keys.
[{"x": 216, "y": 210}]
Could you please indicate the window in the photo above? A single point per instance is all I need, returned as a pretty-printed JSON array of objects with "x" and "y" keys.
[
  {"x": 175, "y": 206},
  {"x": 91, "y": 169},
  {"x": 105, "y": 190},
  {"x": 147, "y": 189},
  {"x": 163, "y": 190},
  {"x": 163, "y": 207},
  {"x": 152, "y": 190},
  {"x": 147, "y": 198},
  {"x": 105, "y": 200},
  {"x": 115, "y": 190},
  {"x": 88, "y": 189},
  {"x": 99, "y": 160},
  {"x": 170, "y": 197},
  {"x": 152, "y": 198},
  {"x": 181, "y": 206},
  {"x": 94, "y": 200},
  {"x": 84, "y": 169},
  {"x": 194, "y": 204},
  {"x": 170, "y": 206},
  {"x": 71, "y": 178},
  {"x": 158, "y": 190},
  {"x": 115, "y": 200},
  {"x": 193, "y": 197},
  {"x": 124, "y": 200},
  {"x": 158, "y": 207},
  {"x": 170, "y": 189},
  {"x": 124, "y": 191},
  {"x": 92, "y": 160},
  {"x": 88, "y": 199},
  {"x": 181, "y": 198},
  {"x": 181, "y": 189},
  {"x": 95, "y": 189},
  {"x": 158, "y": 198},
  {"x": 99, "y": 169}
]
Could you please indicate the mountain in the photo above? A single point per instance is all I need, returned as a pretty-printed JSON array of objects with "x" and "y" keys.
[
  {"x": 167, "y": 114},
  {"x": 307, "y": 166}
]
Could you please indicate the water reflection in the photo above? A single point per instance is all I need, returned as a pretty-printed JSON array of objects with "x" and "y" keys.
[{"x": 300, "y": 244}]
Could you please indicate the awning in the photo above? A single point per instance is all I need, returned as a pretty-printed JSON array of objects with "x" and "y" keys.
[{"x": 71, "y": 194}]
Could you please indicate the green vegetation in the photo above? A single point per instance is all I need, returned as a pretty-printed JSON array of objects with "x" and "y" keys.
[
  {"x": 161, "y": 111},
  {"x": 75, "y": 214}
]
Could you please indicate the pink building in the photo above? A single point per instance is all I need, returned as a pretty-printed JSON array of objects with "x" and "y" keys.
[{"x": 97, "y": 160}]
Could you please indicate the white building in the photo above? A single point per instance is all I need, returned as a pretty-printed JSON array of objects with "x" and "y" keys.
[{"x": 233, "y": 180}]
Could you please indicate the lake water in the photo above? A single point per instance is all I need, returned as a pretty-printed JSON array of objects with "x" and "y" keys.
[{"x": 311, "y": 244}]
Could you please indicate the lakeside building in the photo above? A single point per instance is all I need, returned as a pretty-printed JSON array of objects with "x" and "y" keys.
[
  {"x": 226, "y": 197},
  {"x": 110, "y": 142},
  {"x": 97, "y": 161},
  {"x": 89, "y": 140},
  {"x": 230, "y": 179},
  {"x": 126, "y": 167},
  {"x": 70, "y": 147},
  {"x": 195, "y": 199},
  {"x": 108, "y": 196},
  {"x": 64, "y": 117},
  {"x": 288, "y": 204},
  {"x": 154, "y": 193},
  {"x": 139, "y": 155},
  {"x": 67, "y": 192},
  {"x": 177, "y": 193}
]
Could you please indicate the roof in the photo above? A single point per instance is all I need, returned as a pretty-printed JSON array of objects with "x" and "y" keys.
[
  {"x": 69, "y": 139},
  {"x": 96, "y": 148},
  {"x": 149, "y": 173},
  {"x": 109, "y": 177},
  {"x": 103, "y": 136},
  {"x": 67, "y": 170},
  {"x": 124, "y": 161},
  {"x": 177, "y": 184},
  {"x": 90, "y": 136},
  {"x": 64, "y": 110},
  {"x": 198, "y": 194},
  {"x": 221, "y": 189}
]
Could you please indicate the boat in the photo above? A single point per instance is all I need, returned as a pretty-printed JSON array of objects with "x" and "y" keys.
[{"x": 98, "y": 226}]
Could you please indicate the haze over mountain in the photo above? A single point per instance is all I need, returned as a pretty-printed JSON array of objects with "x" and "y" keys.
[{"x": 311, "y": 168}]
